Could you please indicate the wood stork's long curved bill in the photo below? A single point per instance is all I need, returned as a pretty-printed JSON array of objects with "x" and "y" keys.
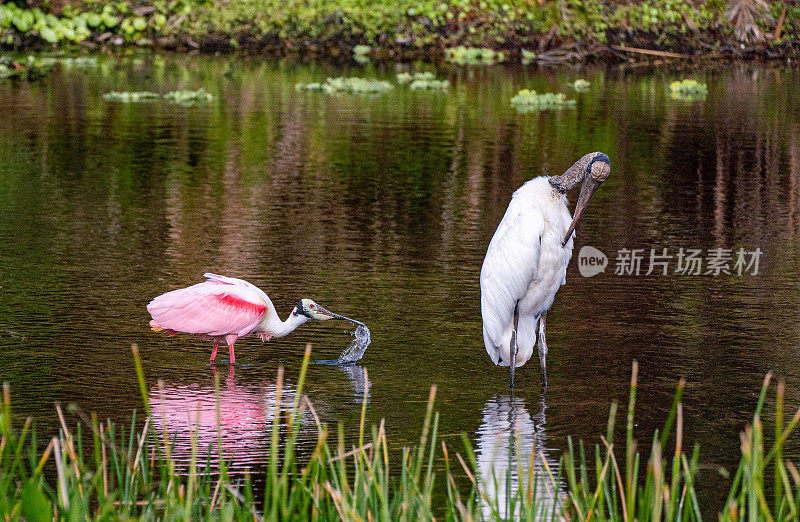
[{"x": 588, "y": 188}]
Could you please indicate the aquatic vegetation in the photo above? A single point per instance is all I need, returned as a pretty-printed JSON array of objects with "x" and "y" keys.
[
  {"x": 188, "y": 98},
  {"x": 80, "y": 62},
  {"x": 429, "y": 85},
  {"x": 473, "y": 55},
  {"x": 352, "y": 85},
  {"x": 31, "y": 69},
  {"x": 688, "y": 89},
  {"x": 356, "y": 85},
  {"x": 527, "y": 56},
  {"x": 581, "y": 85},
  {"x": 528, "y": 100},
  {"x": 688, "y": 86},
  {"x": 405, "y": 77},
  {"x": 313, "y": 86},
  {"x": 422, "y": 81},
  {"x": 131, "y": 96},
  {"x": 687, "y": 96},
  {"x": 136, "y": 475}
]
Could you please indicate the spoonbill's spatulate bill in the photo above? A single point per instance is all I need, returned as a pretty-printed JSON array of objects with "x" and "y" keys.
[
  {"x": 227, "y": 309},
  {"x": 526, "y": 262}
]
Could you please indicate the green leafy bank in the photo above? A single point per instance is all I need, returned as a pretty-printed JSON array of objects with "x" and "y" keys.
[{"x": 471, "y": 31}]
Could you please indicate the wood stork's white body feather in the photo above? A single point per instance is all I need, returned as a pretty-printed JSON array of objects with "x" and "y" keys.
[{"x": 525, "y": 263}]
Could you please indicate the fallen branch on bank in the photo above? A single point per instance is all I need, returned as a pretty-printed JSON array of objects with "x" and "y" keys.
[{"x": 663, "y": 54}]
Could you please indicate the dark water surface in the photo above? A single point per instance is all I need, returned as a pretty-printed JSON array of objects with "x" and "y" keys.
[{"x": 381, "y": 209}]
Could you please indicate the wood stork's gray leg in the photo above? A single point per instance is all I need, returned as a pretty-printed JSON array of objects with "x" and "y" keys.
[
  {"x": 514, "y": 346},
  {"x": 543, "y": 348}
]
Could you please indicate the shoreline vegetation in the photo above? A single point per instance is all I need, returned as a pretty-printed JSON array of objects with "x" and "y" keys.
[
  {"x": 479, "y": 31},
  {"x": 121, "y": 476}
]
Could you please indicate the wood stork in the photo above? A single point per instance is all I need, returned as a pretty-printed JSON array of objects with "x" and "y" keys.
[
  {"x": 526, "y": 262},
  {"x": 227, "y": 309}
]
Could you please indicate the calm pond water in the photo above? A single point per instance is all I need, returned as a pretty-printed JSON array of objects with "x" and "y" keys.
[{"x": 381, "y": 209}]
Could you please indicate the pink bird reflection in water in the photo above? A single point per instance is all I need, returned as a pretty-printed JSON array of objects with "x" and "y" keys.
[{"x": 245, "y": 420}]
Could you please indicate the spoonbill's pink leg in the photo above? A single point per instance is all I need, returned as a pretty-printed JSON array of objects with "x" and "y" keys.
[
  {"x": 214, "y": 351},
  {"x": 231, "y": 339}
]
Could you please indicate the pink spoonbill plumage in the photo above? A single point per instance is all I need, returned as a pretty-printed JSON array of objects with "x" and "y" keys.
[{"x": 228, "y": 309}]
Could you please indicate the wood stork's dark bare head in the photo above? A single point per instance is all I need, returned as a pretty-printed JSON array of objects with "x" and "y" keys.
[{"x": 590, "y": 172}]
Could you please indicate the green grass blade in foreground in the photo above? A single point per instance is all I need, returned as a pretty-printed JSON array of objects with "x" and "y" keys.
[{"x": 133, "y": 475}]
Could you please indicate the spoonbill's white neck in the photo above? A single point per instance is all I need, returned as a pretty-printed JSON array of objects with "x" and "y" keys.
[{"x": 278, "y": 328}]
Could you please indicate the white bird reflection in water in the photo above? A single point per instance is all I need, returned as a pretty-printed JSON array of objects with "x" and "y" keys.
[{"x": 513, "y": 460}]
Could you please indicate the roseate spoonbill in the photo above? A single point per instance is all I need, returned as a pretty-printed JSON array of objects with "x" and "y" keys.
[
  {"x": 526, "y": 262},
  {"x": 227, "y": 309}
]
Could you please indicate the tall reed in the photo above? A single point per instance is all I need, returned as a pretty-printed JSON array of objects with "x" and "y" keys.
[{"x": 134, "y": 475}]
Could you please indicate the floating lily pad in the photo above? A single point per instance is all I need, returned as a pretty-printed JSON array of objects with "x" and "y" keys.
[
  {"x": 348, "y": 85},
  {"x": 422, "y": 81},
  {"x": 473, "y": 55},
  {"x": 688, "y": 89},
  {"x": 527, "y": 101},
  {"x": 188, "y": 98},
  {"x": 405, "y": 77},
  {"x": 80, "y": 62},
  {"x": 429, "y": 85},
  {"x": 581, "y": 85},
  {"x": 313, "y": 86},
  {"x": 131, "y": 97}
]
